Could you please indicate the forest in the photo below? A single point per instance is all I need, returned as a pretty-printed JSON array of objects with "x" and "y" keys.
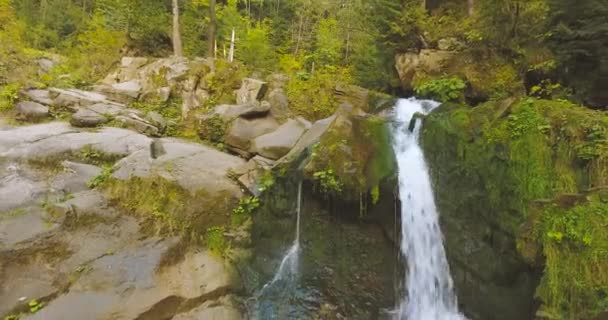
[
  {"x": 304, "y": 159},
  {"x": 558, "y": 48}
]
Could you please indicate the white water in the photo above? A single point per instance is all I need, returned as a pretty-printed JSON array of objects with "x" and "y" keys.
[
  {"x": 430, "y": 290},
  {"x": 289, "y": 264}
]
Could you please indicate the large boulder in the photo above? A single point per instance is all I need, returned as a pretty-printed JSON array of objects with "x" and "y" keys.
[
  {"x": 251, "y": 90},
  {"x": 279, "y": 103},
  {"x": 31, "y": 111},
  {"x": 73, "y": 98},
  {"x": 278, "y": 143},
  {"x": 228, "y": 112},
  {"x": 242, "y": 131}
]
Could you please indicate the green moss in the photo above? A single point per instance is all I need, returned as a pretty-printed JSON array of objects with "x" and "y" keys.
[
  {"x": 215, "y": 240},
  {"x": 574, "y": 243},
  {"x": 491, "y": 162},
  {"x": 167, "y": 208}
]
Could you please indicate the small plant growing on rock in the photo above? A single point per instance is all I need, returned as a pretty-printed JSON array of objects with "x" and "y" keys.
[
  {"x": 444, "y": 89},
  {"x": 328, "y": 181},
  {"x": 266, "y": 182},
  {"x": 244, "y": 209},
  {"x": 8, "y": 95},
  {"x": 214, "y": 239},
  {"x": 35, "y": 305},
  {"x": 98, "y": 180}
]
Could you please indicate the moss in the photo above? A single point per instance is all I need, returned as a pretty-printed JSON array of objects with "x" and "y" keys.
[
  {"x": 491, "y": 162},
  {"x": 167, "y": 208},
  {"x": 573, "y": 240}
]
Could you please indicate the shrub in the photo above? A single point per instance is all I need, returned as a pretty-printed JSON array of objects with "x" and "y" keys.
[{"x": 444, "y": 89}]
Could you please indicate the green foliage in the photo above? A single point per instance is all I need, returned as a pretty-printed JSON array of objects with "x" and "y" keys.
[
  {"x": 375, "y": 194},
  {"x": 328, "y": 45},
  {"x": 215, "y": 240},
  {"x": 493, "y": 161},
  {"x": 244, "y": 210},
  {"x": 312, "y": 96},
  {"x": 266, "y": 182},
  {"x": 213, "y": 129},
  {"x": 444, "y": 89},
  {"x": 255, "y": 49},
  {"x": 35, "y": 305},
  {"x": 8, "y": 95},
  {"x": 105, "y": 175},
  {"x": 12, "y": 317},
  {"x": 328, "y": 181}
]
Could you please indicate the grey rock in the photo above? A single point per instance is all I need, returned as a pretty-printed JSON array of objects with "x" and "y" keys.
[
  {"x": 229, "y": 112},
  {"x": 243, "y": 131},
  {"x": 451, "y": 44},
  {"x": 139, "y": 125},
  {"x": 224, "y": 308},
  {"x": 123, "y": 92},
  {"x": 86, "y": 118},
  {"x": 279, "y": 104},
  {"x": 30, "y": 111},
  {"x": 107, "y": 109},
  {"x": 46, "y": 64},
  {"x": 72, "y": 98},
  {"x": 278, "y": 143},
  {"x": 157, "y": 120},
  {"x": 251, "y": 90},
  {"x": 40, "y": 96},
  {"x": 74, "y": 177},
  {"x": 311, "y": 137}
]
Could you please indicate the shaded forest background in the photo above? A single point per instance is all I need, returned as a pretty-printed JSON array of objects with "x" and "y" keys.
[{"x": 557, "y": 47}]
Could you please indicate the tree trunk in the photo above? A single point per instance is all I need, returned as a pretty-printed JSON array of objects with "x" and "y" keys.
[
  {"x": 178, "y": 49},
  {"x": 232, "y": 39},
  {"x": 212, "y": 27},
  {"x": 471, "y": 7}
]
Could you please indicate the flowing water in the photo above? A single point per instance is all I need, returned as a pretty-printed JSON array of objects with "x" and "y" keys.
[
  {"x": 286, "y": 276},
  {"x": 430, "y": 289}
]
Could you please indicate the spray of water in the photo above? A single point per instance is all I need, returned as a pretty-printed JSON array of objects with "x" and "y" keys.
[{"x": 430, "y": 289}]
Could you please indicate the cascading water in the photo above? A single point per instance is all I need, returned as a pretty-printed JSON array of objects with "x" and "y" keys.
[
  {"x": 287, "y": 273},
  {"x": 430, "y": 290}
]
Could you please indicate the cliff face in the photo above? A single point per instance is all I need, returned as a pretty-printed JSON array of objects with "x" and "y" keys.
[{"x": 491, "y": 167}]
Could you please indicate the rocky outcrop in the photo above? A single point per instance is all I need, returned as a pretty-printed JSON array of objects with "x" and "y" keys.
[
  {"x": 100, "y": 248},
  {"x": 86, "y": 118},
  {"x": 278, "y": 143},
  {"x": 489, "y": 182},
  {"x": 251, "y": 90}
]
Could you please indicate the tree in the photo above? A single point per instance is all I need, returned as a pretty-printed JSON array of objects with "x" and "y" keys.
[
  {"x": 212, "y": 29},
  {"x": 178, "y": 49}
]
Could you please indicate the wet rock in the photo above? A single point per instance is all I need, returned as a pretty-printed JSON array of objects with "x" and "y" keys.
[
  {"x": 85, "y": 118},
  {"x": 31, "y": 111},
  {"x": 278, "y": 143},
  {"x": 251, "y": 90},
  {"x": 243, "y": 131}
]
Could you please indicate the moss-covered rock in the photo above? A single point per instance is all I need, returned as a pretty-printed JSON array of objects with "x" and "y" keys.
[
  {"x": 489, "y": 164},
  {"x": 353, "y": 156}
]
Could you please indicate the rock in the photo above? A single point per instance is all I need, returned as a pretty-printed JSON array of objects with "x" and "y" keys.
[
  {"x": 46, "y": 64},
  {"x": 139, "y": 125},
  {"x": 74, "y": 177},
  {"x": 50, "y": 139},
  {"x": 74, "y": 98},
  {"x": 243, "y": 131},
  {"x": 123, "y": 92},
  {"x": 406, "y": 65},
  {"x": 278, "y": 143},
  {"x": 107, "y": 109},
  {"x": 351, "y": 94},
  {"x": 230, "y": 112},
  {"x": 157, "y": 120},
  {"x": 279, "y": 104},
  {"x": 40, "y": 96},
  {"x": 251, "y": 90},
  {"x": 277, "y": 81},
  {"x": 222, "y": 309},
  {"x": 450, "y": 44},
  {"x": 311, "y": 137},
  {"x": 86, "y": 118},
  {"x": 30, "y": 111}
]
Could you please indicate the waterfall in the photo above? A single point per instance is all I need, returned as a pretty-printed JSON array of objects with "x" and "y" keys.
[
  {"x": 430, "y": 289},
  {"x": 288, "y": 268}
]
